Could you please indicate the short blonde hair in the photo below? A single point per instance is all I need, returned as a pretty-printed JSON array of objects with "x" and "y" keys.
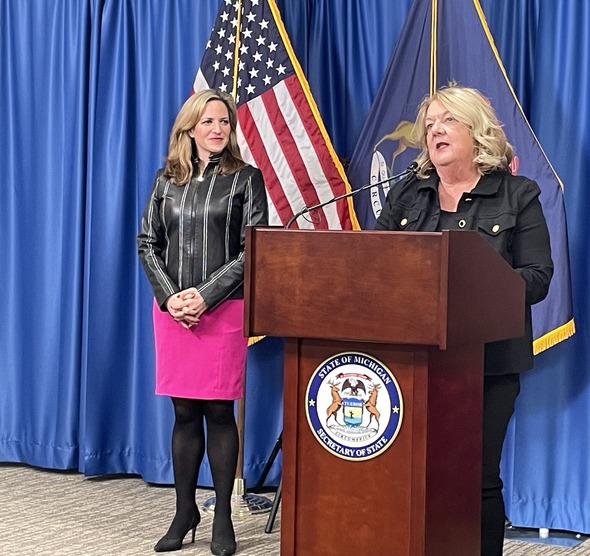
[
  {"x": 181, "y": 148},
  {"x": 491, "y": 150}
]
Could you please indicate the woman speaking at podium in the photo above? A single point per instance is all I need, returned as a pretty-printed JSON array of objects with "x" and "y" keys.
[{"x": 465, "y": 181}]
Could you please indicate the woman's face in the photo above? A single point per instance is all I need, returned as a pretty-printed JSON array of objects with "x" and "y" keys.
[
  {"x": 448, "y": 140},
  {"x": 211, "y": 132}
]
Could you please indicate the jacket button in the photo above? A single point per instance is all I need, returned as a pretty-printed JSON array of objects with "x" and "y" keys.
[
  {"x": 462, "y": 223},
  {"x": 404, "y": 221},
  {"x": 495, "y": 228}
]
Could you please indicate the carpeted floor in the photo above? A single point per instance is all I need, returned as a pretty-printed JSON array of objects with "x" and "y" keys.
[{"x": 53, "y": 513}]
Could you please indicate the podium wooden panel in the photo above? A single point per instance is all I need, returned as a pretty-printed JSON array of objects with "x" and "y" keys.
[{"x": 423, "y": 304}]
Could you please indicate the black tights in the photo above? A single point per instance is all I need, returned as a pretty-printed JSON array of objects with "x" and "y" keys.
[
  {"x": 188, "y": 449},
  {"x": 499, "y": 397}
]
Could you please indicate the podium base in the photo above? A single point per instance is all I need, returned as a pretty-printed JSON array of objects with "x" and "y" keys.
[{"x": 243, "y": 504}]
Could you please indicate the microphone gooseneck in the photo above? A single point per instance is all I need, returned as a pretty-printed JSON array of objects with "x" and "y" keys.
[{"x": 411, "y": 169}]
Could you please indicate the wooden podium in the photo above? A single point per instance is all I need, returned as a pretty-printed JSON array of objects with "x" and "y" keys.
[{"x": 423, "y": 304}]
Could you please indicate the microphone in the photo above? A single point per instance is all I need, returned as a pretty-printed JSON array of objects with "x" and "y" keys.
[{"x": 411, "y": 169}]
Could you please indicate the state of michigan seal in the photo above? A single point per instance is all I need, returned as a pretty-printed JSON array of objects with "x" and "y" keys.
[{"x": 354, "y": 406}]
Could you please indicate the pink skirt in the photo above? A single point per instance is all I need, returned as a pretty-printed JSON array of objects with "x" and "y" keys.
[{"x": 205, "y": 362}]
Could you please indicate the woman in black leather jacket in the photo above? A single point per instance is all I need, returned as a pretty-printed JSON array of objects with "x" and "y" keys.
[
  {"x": 465, "y": 181},
  {"x": 191, "y": 245}
]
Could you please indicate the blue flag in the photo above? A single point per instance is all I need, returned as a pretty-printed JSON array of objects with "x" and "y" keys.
[{"x": 444, "y": 41}]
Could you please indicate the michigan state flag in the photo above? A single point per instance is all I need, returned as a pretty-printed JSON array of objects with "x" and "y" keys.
[{"x": 443, "y": 41}]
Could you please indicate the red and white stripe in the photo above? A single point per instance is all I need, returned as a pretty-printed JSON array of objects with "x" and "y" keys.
[{"x": 279, "y": 134}]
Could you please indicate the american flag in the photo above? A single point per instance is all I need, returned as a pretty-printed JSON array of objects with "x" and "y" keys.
[{"x": 249, "y": 55}]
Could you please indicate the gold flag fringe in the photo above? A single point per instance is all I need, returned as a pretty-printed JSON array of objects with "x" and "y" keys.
[
  {"x": 554, "y": 337},
  {"x": 255, "y": 339}
]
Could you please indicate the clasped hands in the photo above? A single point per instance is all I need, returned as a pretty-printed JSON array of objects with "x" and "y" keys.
[{"x": 186, "y": 307}]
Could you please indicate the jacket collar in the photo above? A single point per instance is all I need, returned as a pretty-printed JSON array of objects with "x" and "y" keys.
[
  {"x": 211, "y": 166},
  {"x": 487, "y": 185},
  {"x": 214, "y": 159}
]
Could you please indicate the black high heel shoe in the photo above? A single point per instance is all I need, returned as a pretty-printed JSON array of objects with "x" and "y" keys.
[
  {"x": 220, "y": 549},
  {"x": 168, "y": 544},
  {"x": 223, "y": 546}
]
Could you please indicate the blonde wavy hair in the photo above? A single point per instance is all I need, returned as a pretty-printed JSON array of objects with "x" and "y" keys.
[
  {"x": 181, "y": 147},
  {"x": 491, "y": 149}
]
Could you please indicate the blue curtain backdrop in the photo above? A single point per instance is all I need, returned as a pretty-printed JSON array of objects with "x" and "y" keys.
[{"x": 88, "y": 91}]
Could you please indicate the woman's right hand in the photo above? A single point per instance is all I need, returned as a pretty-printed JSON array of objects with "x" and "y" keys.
[{"x": 184, "y": 307}]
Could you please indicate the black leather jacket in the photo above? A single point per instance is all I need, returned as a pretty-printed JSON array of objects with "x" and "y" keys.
[
  {"x": 194, "y": 235},
  {"x": 507, "y": 213}
]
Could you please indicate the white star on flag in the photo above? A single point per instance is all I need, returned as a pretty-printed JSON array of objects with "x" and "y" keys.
[{"x": 280, "y": 129}]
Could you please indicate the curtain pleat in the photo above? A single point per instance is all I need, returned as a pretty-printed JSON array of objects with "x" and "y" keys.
[
  {"x": 89, "y": 90},
  {"x": 43, "y": 72},
  {"x": 546, "y": 465}
]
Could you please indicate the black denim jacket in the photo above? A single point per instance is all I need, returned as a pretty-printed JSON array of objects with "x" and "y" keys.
[{"x": 505, "y": 210}]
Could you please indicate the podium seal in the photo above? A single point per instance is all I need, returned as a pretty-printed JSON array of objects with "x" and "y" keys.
[{"x": 354, "y": 406}]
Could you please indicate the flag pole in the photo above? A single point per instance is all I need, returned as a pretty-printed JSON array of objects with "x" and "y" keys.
[{"x": 243, "y": 504}]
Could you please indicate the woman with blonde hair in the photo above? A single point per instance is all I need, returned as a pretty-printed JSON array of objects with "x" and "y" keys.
[
  {"x": 465, "y": 181},
  {"x": 191, "y": 245}
]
